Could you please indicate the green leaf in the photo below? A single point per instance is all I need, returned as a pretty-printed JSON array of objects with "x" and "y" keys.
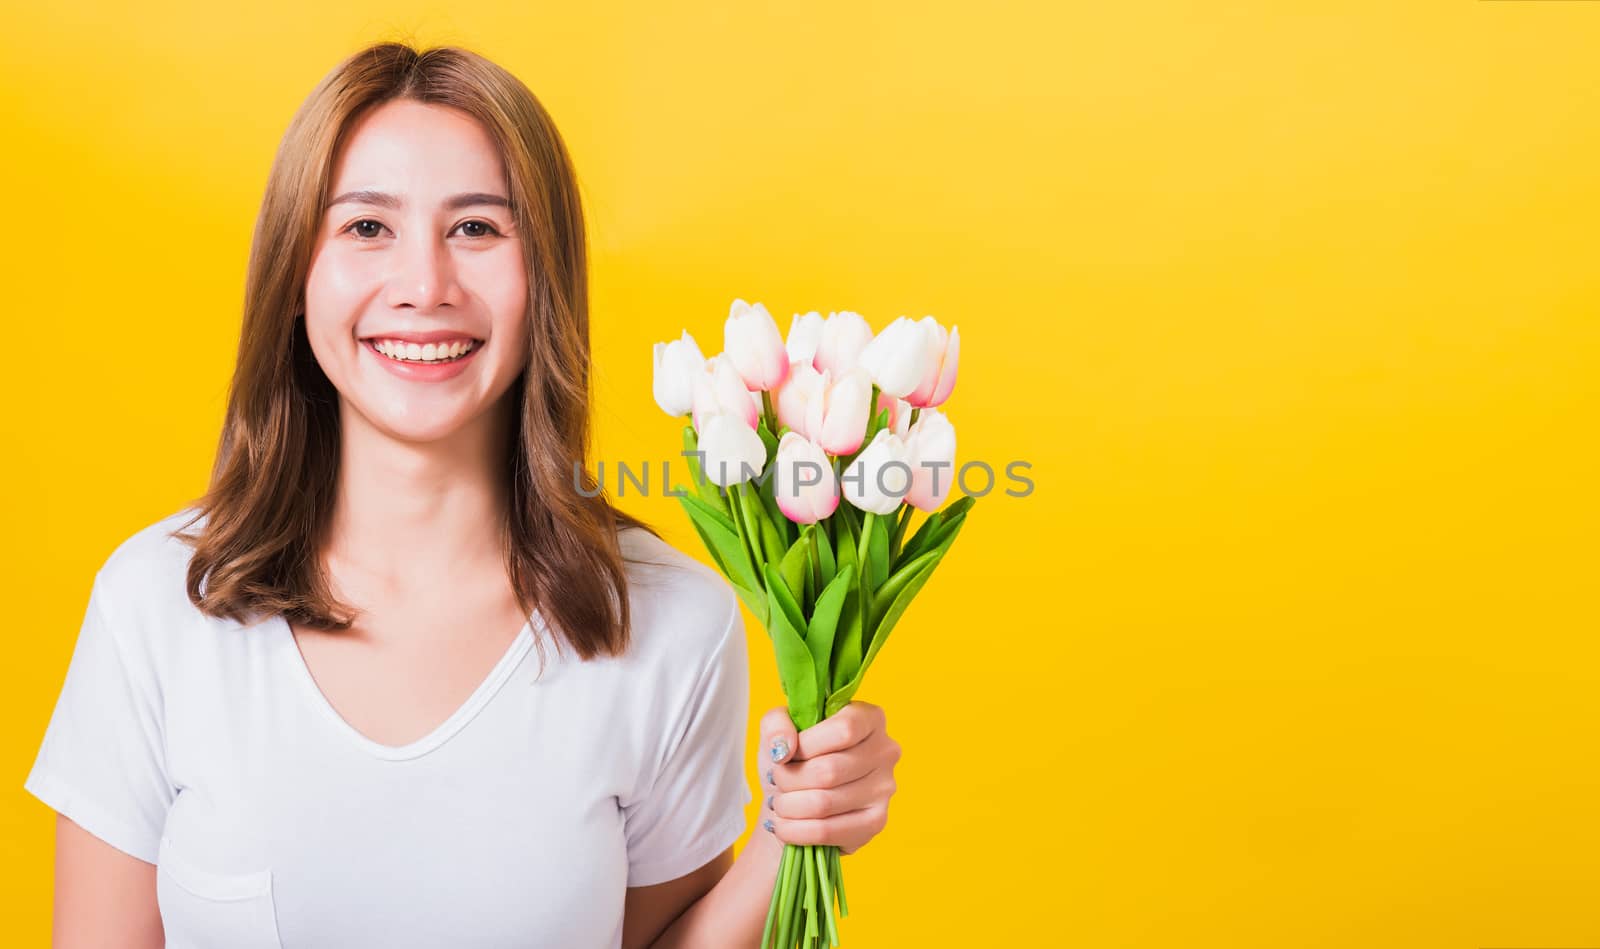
[
  {"x": 785, "y": 598},
  {"x": 924, "y": 539},
  {"x": 841, "y": 697},
  {"x": 825, "y": 621},
  {"x": 793, "y": 569},
  {"x": 748, "y": 516},
  {"x": 824, "y": 554},
  {"x": 884, "y": 595},
  {"x": 796, "y": 669},
  {"x": 723, "y": 538},
  {"x": 877, "y": 565},
  {"x": 847, "y": 644}
]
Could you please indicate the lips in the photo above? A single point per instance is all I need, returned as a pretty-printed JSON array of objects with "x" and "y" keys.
[{"x": 422, "y": 338}]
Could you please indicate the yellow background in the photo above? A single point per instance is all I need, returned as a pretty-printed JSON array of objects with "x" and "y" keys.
[{"x": 1291, "y": 307}]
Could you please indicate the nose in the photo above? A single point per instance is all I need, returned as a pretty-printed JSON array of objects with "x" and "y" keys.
[{"x": 424, "y": 274}]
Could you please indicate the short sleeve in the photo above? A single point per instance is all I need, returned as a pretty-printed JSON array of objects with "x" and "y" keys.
[
  {"x": 694, "y": 809},
  {"x": 102, "y": 760}
]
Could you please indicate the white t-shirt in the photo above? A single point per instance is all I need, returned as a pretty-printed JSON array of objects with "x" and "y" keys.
[{"x": 205, "y": 747}]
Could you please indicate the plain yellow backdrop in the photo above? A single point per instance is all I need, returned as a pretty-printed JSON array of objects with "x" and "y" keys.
[{"x": 1291, "y": 308}]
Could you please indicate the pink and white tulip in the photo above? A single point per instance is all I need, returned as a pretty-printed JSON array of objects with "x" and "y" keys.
[
  {"x": 750, "y": 338},
  {"x": 793, "y": 399},
  {"x": 732, "y": 452},
  {"x": 897, "y": 358},
  {"x": 803, "y": 483},
  {"x": 719, "y": 389},
  {"x": 836, "y": 416},
  {"x": 844, "y": 336},
  {"x": 880, "y": 477},
  {"x": 939, "y": 375},
  {"x": 677, "y": 364},
  {"x": 805, "y": 332},
  {"x": 931, "y": 444}
]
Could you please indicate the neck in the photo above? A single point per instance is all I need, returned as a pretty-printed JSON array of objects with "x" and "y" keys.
[{"x": 411, "y": 512}]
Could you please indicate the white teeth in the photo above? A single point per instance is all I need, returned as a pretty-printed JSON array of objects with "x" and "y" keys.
[{"x": 430, "y": 352}]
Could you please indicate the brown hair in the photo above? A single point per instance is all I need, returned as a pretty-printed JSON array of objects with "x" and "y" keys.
[{"x": 273, "y": 484}]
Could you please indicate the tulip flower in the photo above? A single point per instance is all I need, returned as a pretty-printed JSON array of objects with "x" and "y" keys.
[
  {"x": 805, "y": 332},
  {"x": 733, "y": 452},
  {"x": 719, "y": 389},
  {"x": 793, "y": 399},
  {"x": 897, "y": 358},
  {"x": 931, "y": 444},
  {"x": 836, "y": 416},
  {"x": 899, "y": 413},
  {"x": 803, "y": 483},
  {"x": 879, "y": 478},
  {"x": 844, "y": 336},
  {"x": 676, "y": 365},
  {"x": 752, "y": 342},
  {"x": 939, "y": 375}
]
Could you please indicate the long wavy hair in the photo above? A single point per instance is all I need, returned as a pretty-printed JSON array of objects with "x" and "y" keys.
[{"x": 269, "y": 503}]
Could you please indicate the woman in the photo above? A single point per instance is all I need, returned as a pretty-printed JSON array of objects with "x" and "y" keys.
[{"x": 305, "y": 710}]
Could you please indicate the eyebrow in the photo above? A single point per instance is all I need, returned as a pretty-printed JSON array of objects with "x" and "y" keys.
[{"x": 385, "y": 200}]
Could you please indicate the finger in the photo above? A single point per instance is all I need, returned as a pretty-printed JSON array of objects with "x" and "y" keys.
[
  {"x": 778, "y": 737},
  {"x": 832, "y": 770},
  {"x": 846, "y": 728},
  {"x": 819, "y": 803},
  {"x": 842, "y": 830}
]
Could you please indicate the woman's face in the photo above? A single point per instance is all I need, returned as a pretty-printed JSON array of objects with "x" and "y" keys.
[{"x": 416, "y": 257}]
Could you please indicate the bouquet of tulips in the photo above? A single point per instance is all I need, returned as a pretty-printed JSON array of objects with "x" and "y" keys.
[{"x": 779, "y": 430}]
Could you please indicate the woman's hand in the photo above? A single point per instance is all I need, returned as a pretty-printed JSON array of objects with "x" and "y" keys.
[{"x": 831, "y": 783}]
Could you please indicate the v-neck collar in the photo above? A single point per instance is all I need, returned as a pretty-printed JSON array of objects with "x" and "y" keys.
[{"x": 445, "y": 730}]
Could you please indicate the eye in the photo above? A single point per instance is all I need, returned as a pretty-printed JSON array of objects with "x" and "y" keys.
[
  {"x": 359, "y": 223},
  {"x": 483, "y": 224}
]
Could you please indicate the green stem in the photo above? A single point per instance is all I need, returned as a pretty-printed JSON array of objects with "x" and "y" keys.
[
  {"x": 899, "y": 532},
  {"x": 867, "y": 520},
  {"x": 769, "y": 412},
  {"x": 811, "y": 892},
  {"x": 749, "y": 531},
  {"x": 838, "y": 881},
  {"x": 825, "y": 875}
]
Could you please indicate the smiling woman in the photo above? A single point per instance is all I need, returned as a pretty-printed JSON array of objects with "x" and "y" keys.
[{"x": 304, "y": 710}]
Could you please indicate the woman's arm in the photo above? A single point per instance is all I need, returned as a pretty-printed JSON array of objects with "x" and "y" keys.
[
  {"x": 734, "y": 912},
  {"x": 104, "y": 897}
]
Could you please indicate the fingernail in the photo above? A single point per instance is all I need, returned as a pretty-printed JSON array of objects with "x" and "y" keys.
[
  {"x": 769, "y": 802},
  {"x": 780, "y": 747},
  {"x": 770, "y": 781},
  {"x": 768, "y": 825}
]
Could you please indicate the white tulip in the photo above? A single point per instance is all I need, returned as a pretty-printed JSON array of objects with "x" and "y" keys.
[
  {"x": 805, "y": 332},
  {"x": 719, "y": 389},
  {"x": 677, "y": 364},
  {"x": 844, "y": 336},
  {"x": 880, "y": 477},
  {"x": 931, "y": 444},
  {"x": 897, "y": 358},
  {"x": 732, "y": 452}
]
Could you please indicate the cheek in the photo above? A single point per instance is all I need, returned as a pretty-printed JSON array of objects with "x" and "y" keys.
[{"x": 336, "y": 282}]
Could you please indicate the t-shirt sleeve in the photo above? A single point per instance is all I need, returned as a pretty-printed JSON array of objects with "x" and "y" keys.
[
  {"x": 102, "y": 761},
  {"x": 694, "y": 810}
]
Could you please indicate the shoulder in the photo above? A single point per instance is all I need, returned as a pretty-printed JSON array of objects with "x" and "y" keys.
[
  {"x": 677, "y": 605},
  {"x": 148, "y": 570}
]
